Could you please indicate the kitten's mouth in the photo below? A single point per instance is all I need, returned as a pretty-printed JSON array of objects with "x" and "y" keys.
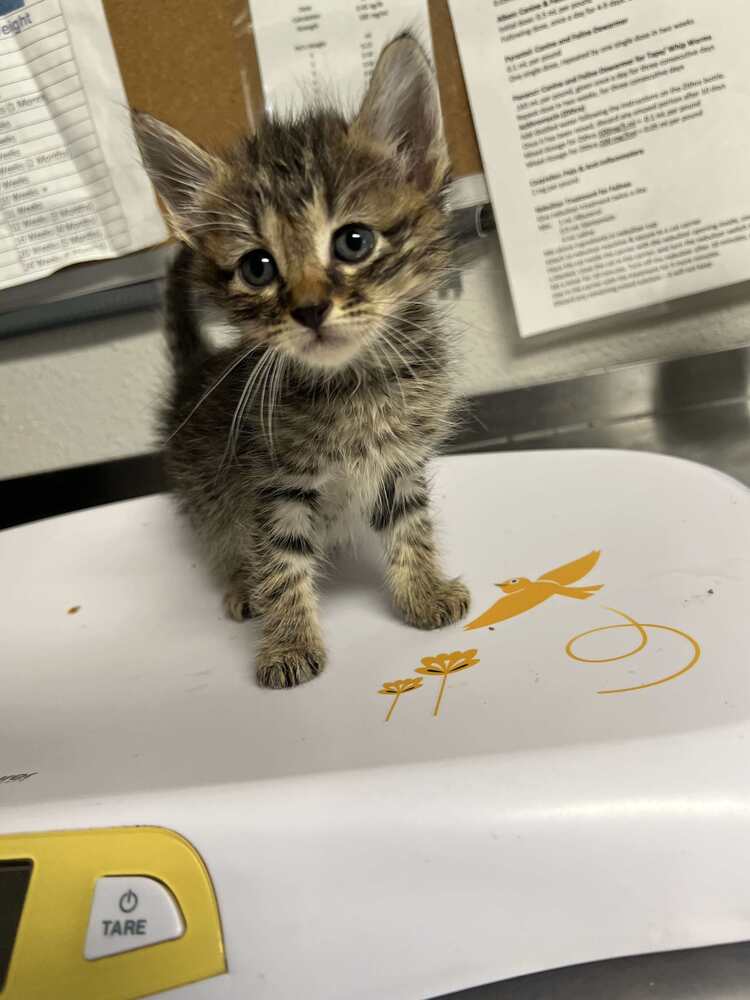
[
  {"x": 325, "y": 341},
  {"x": 326, "y": 348},
  {"x": 324, "y": 337}
]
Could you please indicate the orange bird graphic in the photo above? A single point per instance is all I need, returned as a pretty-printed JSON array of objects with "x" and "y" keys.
[{"x": 523, "y": 594}]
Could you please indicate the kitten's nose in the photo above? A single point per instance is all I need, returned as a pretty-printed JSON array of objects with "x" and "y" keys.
[{"x": 312, "y": 316}]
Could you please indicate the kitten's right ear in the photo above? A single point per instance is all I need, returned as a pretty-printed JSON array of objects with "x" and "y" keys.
[{"x": 178, "y": 169}]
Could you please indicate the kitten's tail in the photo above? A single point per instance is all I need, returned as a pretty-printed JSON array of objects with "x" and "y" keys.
[{"x": 186, "y": 344}]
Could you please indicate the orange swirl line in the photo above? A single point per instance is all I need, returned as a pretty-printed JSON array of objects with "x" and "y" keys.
[{"x": 641, "y": 628}]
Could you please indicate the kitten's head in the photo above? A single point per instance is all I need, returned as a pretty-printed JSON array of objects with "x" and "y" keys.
[{"x": 314, "y": 235}]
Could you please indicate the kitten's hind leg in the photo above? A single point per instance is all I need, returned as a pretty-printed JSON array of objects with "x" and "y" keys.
[
  {"x": 292, "y": 650},
  {"x": 422, "y": 596}
]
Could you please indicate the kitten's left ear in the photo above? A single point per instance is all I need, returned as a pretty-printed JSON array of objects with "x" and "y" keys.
[
  {"x": 402, "y": 109},
  {"x": 178, "y": 169}
]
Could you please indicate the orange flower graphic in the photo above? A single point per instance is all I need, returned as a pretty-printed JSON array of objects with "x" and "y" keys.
[
  {"x": 445, "y": 664},
  {"x": 398, "y": 688}
]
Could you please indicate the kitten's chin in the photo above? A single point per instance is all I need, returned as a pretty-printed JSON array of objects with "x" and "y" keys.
[{"x": 326, "y": 350}]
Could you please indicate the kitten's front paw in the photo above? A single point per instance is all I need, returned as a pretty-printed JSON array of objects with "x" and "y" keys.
[
  {"x": 285, "y": 668},
  {"x": 443, "y": 604}
]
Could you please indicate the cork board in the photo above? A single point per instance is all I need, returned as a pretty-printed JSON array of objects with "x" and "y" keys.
[
  {"x": 179, "y": 61},
  {"x": 197, "y": 69},
  {"x": 459, "y": 126}
]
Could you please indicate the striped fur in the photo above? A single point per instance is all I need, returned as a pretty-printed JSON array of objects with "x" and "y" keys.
[{"x": 274, "y": 442}]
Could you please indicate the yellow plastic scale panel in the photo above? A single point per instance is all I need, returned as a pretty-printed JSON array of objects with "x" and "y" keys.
[{"x": 48, "y": 961}]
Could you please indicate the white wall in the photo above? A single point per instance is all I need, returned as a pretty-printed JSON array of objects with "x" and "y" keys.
[
  {"x": 79, "y": 394},
  {"x": 84, "y": 394}
]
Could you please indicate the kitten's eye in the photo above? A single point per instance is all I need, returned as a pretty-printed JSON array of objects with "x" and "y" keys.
[
  {"x": 353, "y": 243},
  {"x": 258, "y": 268}
]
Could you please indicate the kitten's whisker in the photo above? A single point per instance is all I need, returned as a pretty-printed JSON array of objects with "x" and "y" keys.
[
  {"x": 445, "y": 308},
  {"x": 180, "y": 183},
  {"x": 223, "y": 222},
  {"x": 390, "y": 342},
  {"x": 215, "y": 213},
  {"x": 415, "y": 326},
  {"x": 424, "y": 359},
  {"x": 407, "y": 342},
  {"x": 428, "y": 331},
  {"x": 230, "y": 368},
  {"x": 221, "y": 217},
  {"x": 259, "y": 383},
  {"x": 406, "y": 339},
  {"x": 190, "y": 187},
  {"x": 274, "y": 399},
  {"x": 220, "y": 197},
  {"x": 230, "y": 437},
  {"x": 272, "y": 391},
  {"x": 261, "y": 404},
  {"x": 240, "y": 409},
  {"x": 229, "y": 229},
  {"x": 266, "y": 417}
]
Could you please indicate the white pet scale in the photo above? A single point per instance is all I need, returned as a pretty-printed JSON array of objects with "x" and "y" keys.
[{"x": 165, "y": 823}]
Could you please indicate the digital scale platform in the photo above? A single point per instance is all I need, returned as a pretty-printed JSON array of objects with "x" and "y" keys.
[{"x": 563, "y": 777}]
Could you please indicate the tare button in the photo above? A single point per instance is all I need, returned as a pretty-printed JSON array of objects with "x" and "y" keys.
[{"x": 130, "y": 912}]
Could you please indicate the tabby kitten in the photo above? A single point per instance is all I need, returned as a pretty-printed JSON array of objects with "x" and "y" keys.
[{"x": 318, "y": 239}]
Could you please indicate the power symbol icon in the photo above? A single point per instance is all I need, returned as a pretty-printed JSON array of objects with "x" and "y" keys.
[{"x": 128, "y": 901}]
